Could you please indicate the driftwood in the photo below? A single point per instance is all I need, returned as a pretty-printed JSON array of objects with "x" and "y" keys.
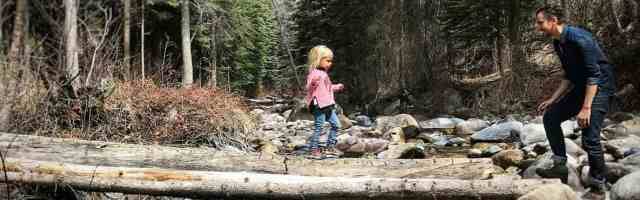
[
  {"x": 242, "y": 185},
  {"x": 97, "y": 153}
]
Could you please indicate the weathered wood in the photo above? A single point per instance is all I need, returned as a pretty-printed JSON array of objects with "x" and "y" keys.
[
  {"x": 242, "y": 185},
  {"x": 129, "y": 155}
]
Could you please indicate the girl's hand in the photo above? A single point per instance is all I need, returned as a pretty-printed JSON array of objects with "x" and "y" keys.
[{"x": 339, "y": 86}]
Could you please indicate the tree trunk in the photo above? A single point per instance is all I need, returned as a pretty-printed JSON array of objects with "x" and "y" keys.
[
  {"x": 243, "y": 185},
  {"x": 127, "y": 39},
  {"x": 128, "y": 155},
  {"x": 142, "y": 67},
  {"x": 72, "y": 69},
  {"x": 187, "y": 66},
  {"x": 17, "y": 37},
  {"x": 285, "y": 40},
  {"x": 11, "y": 73},
  {"x": 213, "y": 79}
]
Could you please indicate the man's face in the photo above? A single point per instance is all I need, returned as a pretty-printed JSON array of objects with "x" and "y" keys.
[{"x": 544, "y": 25}]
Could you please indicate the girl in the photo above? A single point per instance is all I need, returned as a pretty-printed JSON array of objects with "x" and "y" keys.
[{"x": 320, "y": 98}]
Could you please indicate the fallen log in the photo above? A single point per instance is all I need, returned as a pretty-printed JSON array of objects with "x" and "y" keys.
[
  {"x": 242, "y": 185},
  {"x": 129, "y": 155}
]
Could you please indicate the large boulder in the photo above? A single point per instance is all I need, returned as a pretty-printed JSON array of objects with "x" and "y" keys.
[
  {"x": 508, "y": 158},
  {"x": 623, "y": 129},
  {"x": 300, "y": 111},
  {"x": 406, "y": 122},
  {"x": 440, "y": 123},
  {"x": 545, "y": 161},
  {"x": 470, "y": 126},
  {"x": 533, "y": 133},
  {"x": 627, "y": 188},
  {"x": 503, "y": 132},
  {"x": 552, "y": 191},
  {"x": 624, "y": 144},
  {"x": 353, "y": 146},
  {"x": 404, "y": 151}
]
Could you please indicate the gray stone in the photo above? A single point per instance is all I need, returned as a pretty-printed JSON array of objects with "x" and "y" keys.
[
  {"x": 503, "y": 132},
  {"x": 470, "y": 126},
  {"x": 533, "y": 133},
  {"x": 508, "y": 158},
  {"x": 548, "y": 192},
  {"x": 363, "y": 120},
  {"x": 627, "y": 188},
  {"x": 408, "y": 124},
  {"x": 492, "y": 150}
]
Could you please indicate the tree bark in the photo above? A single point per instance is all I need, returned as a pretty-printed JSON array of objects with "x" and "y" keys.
[
  {"x": 72, "y": 68},
  {"x": 17, "y": 36},
  {"x": 128, "y": 155},
  {"x": 11, "y": 73},
  {"x": 213, "y": 74},
  {"x": 142, "y": 67},
  {"x": 243, "y": 185},
  {"x": 127, "y": 39},
  {"x": 187, "y": 66}
]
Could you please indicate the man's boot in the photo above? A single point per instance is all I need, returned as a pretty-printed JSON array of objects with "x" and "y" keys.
[
  {"x": 597, "y": 191},
  {"x": 558, "y": 170}
]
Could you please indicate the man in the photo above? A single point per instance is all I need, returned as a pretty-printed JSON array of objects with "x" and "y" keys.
[{"x": 588, "y": 83}]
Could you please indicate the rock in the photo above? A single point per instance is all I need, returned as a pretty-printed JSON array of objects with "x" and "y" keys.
[
  {"x": 631, "y": 151},
  {"x": 404, "y": 151},
  {"x": 624, "y": 129},
  {"x": 624, "y": 144},
  {"x": 621, "y": 116},
  {"x": 256, "y": 112},
  {"x": 569, "y": 127},
  {"x": 474, "y": 153},
  {"x": 396, "y": 136},
  {"x": 439, "y": 123},
  {"x": 300, "y": 111},
  {"x": 408, "y": 124},
  {"x": 632, "y": 161},
  {"x": 503, "y": 132},
  {"x": 363, "y": 120},
  {"x": 627, "y": 188},
  {"x": 439, "y": 139},
  {"x": 345, "y": 123},
  {"x": 552, "y": 191},
  {"x": 533, "y": 133},
  {"x": 457, "y": 141},
  {"x": 353, "y": 146},
  {"x": 470, "y": 126},
  {"x": 296, "y": 142},
  {"x": 573, "y": 149},
  {"x": 545, "y": 161},
  {"x": 492, "y": 150},
  {"x": 508, "y": 158},
  {"x": 609, "y": 158},
  {"x": 278, "y": 108},
  {"x": 364, "y": 132},
  {"x": 287, "y": 114}
]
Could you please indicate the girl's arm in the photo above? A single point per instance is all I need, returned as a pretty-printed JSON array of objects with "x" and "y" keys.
[
  {"x": 337, "y": 87},
  {"x": 312, "y": 82}
]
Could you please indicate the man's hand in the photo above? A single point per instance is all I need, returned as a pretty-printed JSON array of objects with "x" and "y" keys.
[
  {"x": 584, "y": 117},
  {"x": 544, "y": 105}
]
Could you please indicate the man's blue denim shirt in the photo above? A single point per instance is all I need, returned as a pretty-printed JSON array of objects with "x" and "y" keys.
[{"x": 583, "y": 60}]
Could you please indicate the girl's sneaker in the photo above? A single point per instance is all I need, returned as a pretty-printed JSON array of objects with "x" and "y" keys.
[{"x": 315, "y": 154}]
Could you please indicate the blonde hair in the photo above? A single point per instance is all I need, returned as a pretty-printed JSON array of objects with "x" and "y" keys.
[{"x": 316, "y": 54}]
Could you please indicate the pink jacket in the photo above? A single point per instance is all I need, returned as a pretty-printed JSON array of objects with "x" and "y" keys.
[{"x": 319, "y": 86}]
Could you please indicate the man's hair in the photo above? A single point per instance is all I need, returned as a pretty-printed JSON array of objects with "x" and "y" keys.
[{"x": 550, "y": 12}]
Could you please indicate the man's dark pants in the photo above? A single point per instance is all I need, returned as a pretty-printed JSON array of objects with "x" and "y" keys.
[{"x": 569, "y": 106}]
